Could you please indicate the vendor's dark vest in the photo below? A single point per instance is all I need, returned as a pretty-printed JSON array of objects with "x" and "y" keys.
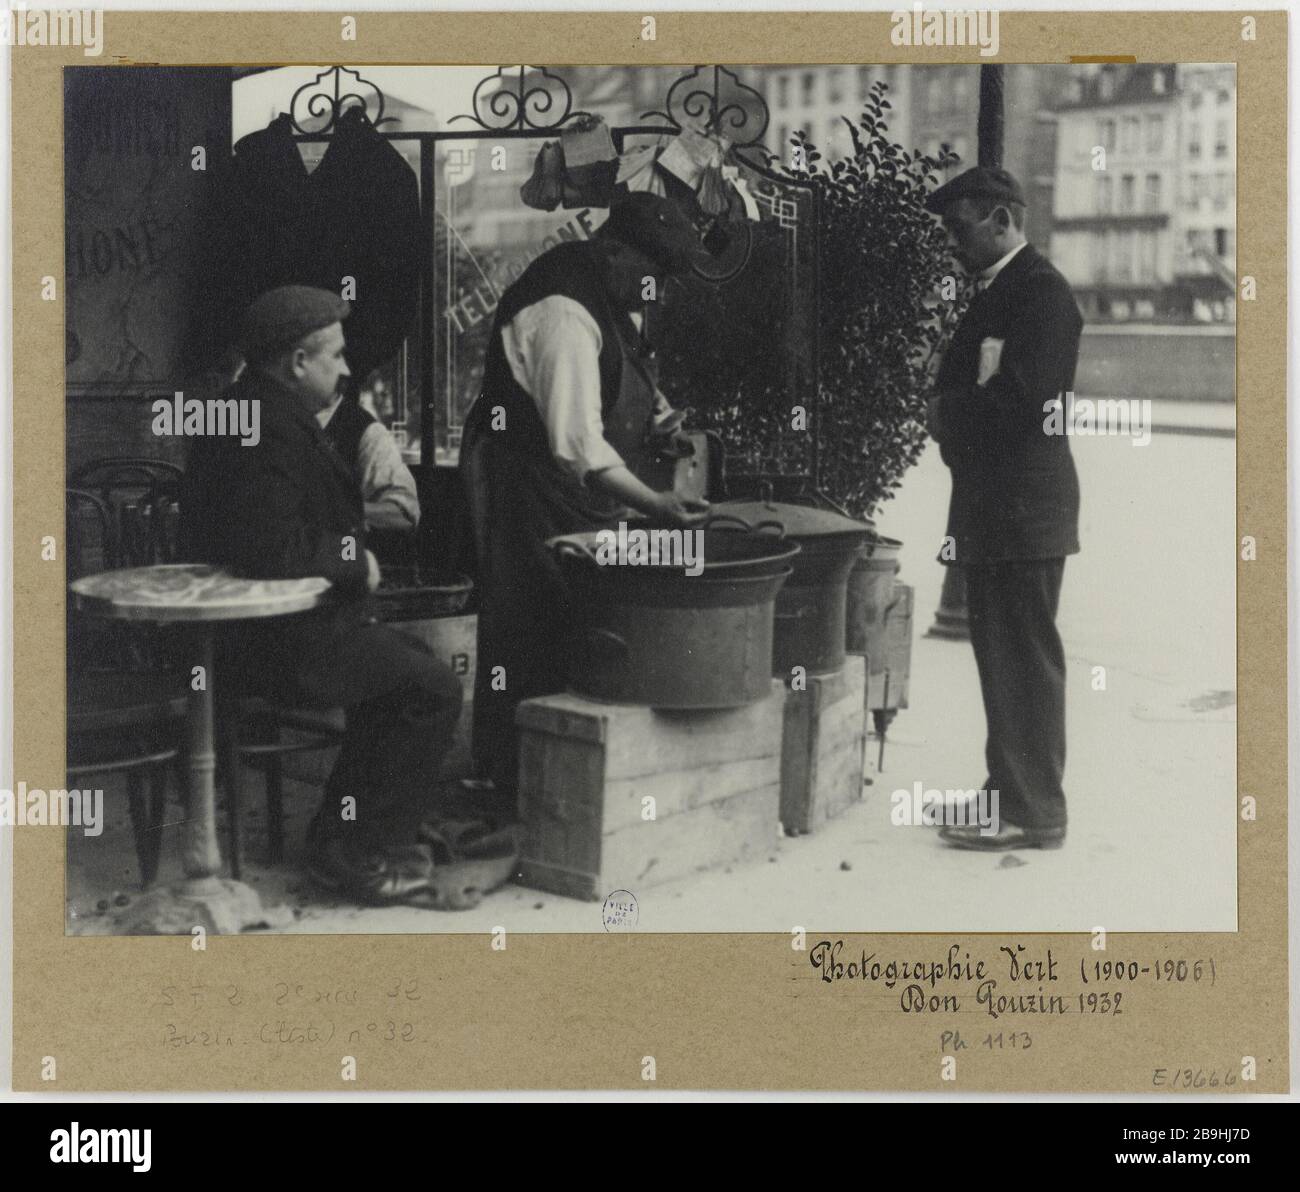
[
  {"x": 346, "y": 426},
  {"x": 571, "y": 270}
]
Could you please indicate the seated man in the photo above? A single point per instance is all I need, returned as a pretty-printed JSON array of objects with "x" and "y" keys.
[
  {"x": 367, "y": 446},
  {"x": 288, "y": 507}
]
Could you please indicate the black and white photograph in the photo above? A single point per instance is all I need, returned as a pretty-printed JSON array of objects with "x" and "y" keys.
[{"x": 691, "y": 499}]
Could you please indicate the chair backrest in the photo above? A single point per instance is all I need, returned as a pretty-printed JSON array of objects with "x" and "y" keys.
[
  {"x": 91, "y": 534},
  {"x": 91, "y": 546},
  {"x": 144, "y": 495}
]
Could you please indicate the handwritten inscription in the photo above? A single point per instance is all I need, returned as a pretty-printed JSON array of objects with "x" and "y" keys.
[
  {"x": 201, "y": 1017},
  {"x": 1017, "y": 981}
]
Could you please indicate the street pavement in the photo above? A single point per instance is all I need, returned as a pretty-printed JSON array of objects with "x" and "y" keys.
[{"x": 1150, "y": 777}]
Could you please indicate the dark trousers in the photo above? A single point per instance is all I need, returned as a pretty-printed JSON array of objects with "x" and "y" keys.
[
  {"x": 1012, "y": 608},
  {"x": 401, "y": 705}
]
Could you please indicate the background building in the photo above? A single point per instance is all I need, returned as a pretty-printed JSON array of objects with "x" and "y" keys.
[{"x": 1145, "y": 206}]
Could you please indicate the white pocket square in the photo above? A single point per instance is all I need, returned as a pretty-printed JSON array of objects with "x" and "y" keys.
[{"x": 990, "y": 359}]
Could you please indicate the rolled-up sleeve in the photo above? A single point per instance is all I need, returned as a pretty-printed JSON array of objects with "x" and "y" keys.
[
  {"x": 384, "y": 474},
  {"x": 553, "y": 348}
]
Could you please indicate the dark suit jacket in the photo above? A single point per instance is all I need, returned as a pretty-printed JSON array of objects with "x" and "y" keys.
[
  {"x": 1015, "y": 493},
  {"x": 268, "y": 223},
  {"x": 278, "y": 510}
]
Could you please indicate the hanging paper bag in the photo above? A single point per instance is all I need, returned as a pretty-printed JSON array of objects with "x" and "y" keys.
[
  {"x": 545, "y": 188},
  {"x": 585, "y": 141}
]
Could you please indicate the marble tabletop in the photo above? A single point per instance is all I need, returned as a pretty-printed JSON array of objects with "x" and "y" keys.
[{"x": 192, "y": 592}]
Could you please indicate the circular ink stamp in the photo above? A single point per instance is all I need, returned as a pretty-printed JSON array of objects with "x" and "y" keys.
[{"x": 620, "y": 911}]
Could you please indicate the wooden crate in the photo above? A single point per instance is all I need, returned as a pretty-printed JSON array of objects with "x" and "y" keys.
[
  {"x": 895, "y": 657},
  {"x": 585, "y": 769},
  {"x": 822, "y": 748}
]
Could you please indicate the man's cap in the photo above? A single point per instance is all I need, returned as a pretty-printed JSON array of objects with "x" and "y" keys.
[
  {"x": 657, "y": 227},
  {"x": 281, "y": 317},
  {"x": 977, "y": 182}
]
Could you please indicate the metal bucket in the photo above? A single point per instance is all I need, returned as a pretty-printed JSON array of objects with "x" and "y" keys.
[
  {"x": 810, "y": 610},
  {"x": 869, "y": 594},
  {"x": 655, "y": 636}
]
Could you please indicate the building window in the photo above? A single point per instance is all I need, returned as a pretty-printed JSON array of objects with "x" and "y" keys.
[
  {"x": 782, "y": 91},
  {"x": 1194, "y": 141},
  {"x": 1128, "y": 141},
  {"x": 1195, "y": 100},
  {"x": 864, "y": 84},
  {"x": 1220, "y": 138},
  {"x": 1147, "y": 257},
  {"x": 1124, "y": 255},
  {"x": 1223, "y": 98},
  {"x": 1222, "y": 190},
  {"x": 1151, "y": 197},
  {"x": 835, "y": 85},
  {"x": 1126, "y": 185},
  {"x": 808, "y": 86},
  {"x": 1104, "y": 192},
  {"x": 1155, "y": 133},
  {"x": 1221, "y": 241},
  {"x": 934, "y": 93},
  {"x": 1158, "y": 82},
  {"x": 1106, "y": 134}
]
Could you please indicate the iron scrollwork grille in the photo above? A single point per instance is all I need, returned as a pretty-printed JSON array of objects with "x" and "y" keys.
[
  {"x": 521, "y": 102},
  {"x": 328, "y": 99},
  {"x": 729, "y": 106}
]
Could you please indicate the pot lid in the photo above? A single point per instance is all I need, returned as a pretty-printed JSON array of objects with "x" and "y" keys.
[{"x": 799, "y": 521}]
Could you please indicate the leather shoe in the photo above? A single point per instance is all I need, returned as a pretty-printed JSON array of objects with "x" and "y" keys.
[{"x": 1007, "y": 836}]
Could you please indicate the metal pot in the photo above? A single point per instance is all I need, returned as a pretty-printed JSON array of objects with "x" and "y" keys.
[
  {"x": 657, "y": 636},
  {"x": 810, "y": 609}
]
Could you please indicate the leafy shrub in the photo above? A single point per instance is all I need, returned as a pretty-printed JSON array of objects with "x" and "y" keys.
[{"x": 883, "y": 260}]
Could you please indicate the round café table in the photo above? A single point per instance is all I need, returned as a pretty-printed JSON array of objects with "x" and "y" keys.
[{"x": 203, "y": 598}]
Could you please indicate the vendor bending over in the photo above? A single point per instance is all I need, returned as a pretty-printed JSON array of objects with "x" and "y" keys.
[{"x": 568, "y": 410}]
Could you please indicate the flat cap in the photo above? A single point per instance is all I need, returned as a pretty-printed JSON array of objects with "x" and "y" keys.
[
  {"x": 656, "y": 226},
  {"x": 281, "y": 317},
  {"x": 977, "y": 182}
]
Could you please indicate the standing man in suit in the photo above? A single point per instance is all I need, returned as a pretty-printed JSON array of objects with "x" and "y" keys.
[{"x": 1014, "y": 512}]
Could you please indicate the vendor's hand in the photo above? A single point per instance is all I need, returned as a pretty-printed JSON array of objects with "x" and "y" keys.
[
  {"x": 678, "y": 512},
  {"x": 678, "y": 445},
  {"x": 372, "y": 571}
]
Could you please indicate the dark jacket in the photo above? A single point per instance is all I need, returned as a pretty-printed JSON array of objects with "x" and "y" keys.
[
  {"x": 1015, "y": 493},
  {"x": 269, "y": 223},
  {"x": 282, "y": 509}
]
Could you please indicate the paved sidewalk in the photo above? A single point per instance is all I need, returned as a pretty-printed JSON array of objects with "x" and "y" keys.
[{"x": 1150, "y": 777}]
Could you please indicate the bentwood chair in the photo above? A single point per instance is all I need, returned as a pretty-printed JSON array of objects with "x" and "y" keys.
[{"x": 124, "y": 709}]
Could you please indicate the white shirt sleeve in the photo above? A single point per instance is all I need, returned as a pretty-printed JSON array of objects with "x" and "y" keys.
[
  {"x": 383, "y": 473},
  {"x": 553, "y": 349}
]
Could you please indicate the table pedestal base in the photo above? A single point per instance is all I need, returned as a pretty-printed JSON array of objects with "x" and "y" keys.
[{"x": 218, "y": 905}]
